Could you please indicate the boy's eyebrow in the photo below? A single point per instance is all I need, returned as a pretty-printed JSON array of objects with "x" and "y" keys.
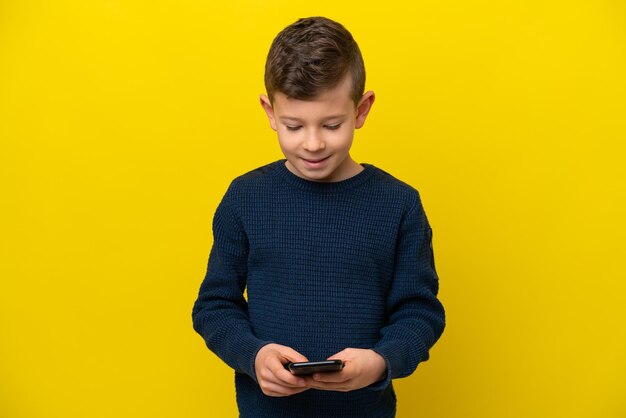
[{"x": 294, "y": 119}]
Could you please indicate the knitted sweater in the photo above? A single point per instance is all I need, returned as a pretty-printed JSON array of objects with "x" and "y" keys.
[{"x": 326, "y": 266}]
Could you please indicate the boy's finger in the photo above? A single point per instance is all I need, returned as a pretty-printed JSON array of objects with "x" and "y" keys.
[
  {"x": 292, "y": 355},
  {"x": 331, "y": 377},
  {"x": 275, "y": 389},
  {"x": 339, "y": 356},
  {"x": 282, "y": 375},
  {"x": 289, "y": 379},
  {"x": 339, "y": 386}
]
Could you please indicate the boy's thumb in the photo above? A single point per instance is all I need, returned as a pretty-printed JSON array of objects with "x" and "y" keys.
[{"x": 292, "y": 355}]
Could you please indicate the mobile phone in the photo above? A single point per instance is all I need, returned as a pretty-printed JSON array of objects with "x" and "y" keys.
[{"x": 310, "y": 367}]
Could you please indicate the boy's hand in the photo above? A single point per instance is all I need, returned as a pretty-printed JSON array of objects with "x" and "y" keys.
[
  {"x": 273, "y": 378},
  {"x": 362, "y": 367}
]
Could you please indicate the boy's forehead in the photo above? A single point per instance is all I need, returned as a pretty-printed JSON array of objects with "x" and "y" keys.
[
  {"x": 293, "y": 110},
  {"x": 331, "y": 101}
]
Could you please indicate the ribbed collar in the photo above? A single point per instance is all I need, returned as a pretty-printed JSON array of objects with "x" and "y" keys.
[{"x": 321, "y": 186}]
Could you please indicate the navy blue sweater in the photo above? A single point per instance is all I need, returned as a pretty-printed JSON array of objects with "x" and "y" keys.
[{"x": 327, "y": 266}]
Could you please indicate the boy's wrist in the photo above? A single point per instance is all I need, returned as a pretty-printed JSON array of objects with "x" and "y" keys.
[
  {"x": 385, "y": 376},
  {"x": 381, "y": 365}
]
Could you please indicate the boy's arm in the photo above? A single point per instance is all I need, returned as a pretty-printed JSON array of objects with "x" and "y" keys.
[
  {"x": 416, "y": 318},
  {"x": 220, "y": 313}
]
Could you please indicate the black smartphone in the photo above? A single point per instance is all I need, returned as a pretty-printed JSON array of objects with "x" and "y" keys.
[{"x": 310, "y": 367}]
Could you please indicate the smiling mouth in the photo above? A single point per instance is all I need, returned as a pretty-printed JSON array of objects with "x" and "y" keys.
[{"x": 316, "y": 161}]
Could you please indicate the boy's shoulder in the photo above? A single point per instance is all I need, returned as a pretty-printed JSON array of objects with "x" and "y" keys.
[
  {"x": 258, "y": 173},
  {"x": 253, "y": 181},
  {"x": 396, "y": 188},
  {"x": 387, "y": 179}
]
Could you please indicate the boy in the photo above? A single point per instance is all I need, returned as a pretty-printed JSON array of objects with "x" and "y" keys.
[{"x": 336, "y": 256}]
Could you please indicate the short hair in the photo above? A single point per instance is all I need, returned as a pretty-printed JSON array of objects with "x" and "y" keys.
[{"x": 311, "y": 55}]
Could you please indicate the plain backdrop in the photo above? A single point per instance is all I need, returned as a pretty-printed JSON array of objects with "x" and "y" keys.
[{"x": 123, "y": 122}]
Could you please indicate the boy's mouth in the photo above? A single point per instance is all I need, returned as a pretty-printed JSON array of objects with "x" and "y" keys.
[
  {"x": 315, "y": 161},
  {"x": 315, "y": 164}
]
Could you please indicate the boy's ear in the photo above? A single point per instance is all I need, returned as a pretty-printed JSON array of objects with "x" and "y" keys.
[
  {"x": 363, "y": 108},
  {"x": 269, "y": 110}
]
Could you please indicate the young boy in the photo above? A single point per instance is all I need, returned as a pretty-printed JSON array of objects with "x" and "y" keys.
[{"x": 336, "y": 256}]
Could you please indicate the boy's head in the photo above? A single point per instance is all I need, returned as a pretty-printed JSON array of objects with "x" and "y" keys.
[
  {"x": 312, "y": 55},
  {"x": 315, "y": 78}
]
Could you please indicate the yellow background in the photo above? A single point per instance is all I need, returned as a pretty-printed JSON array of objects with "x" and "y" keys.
[{"x": 123, "y": 122}]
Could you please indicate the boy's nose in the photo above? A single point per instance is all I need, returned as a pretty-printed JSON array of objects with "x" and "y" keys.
[{"x": 313, "y": 143}]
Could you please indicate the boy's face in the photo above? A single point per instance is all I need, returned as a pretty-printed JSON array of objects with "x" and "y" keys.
[{"x": 316, "y": 135}]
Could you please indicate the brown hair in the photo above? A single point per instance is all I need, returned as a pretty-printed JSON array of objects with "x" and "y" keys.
[{"x": 312, "y": 55}]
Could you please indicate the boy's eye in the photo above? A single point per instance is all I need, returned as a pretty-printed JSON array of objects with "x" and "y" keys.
[{"x": 329, "y": 127}]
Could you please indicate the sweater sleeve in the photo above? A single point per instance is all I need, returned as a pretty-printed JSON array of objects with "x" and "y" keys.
[
  {"x": 220, "y": 313},
  {"x": 416, "y": 318}
]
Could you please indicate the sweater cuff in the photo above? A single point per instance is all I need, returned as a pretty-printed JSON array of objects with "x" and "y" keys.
[
  {"x": 239, "y": 352},
  {"x": 397, "y": 357}
]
